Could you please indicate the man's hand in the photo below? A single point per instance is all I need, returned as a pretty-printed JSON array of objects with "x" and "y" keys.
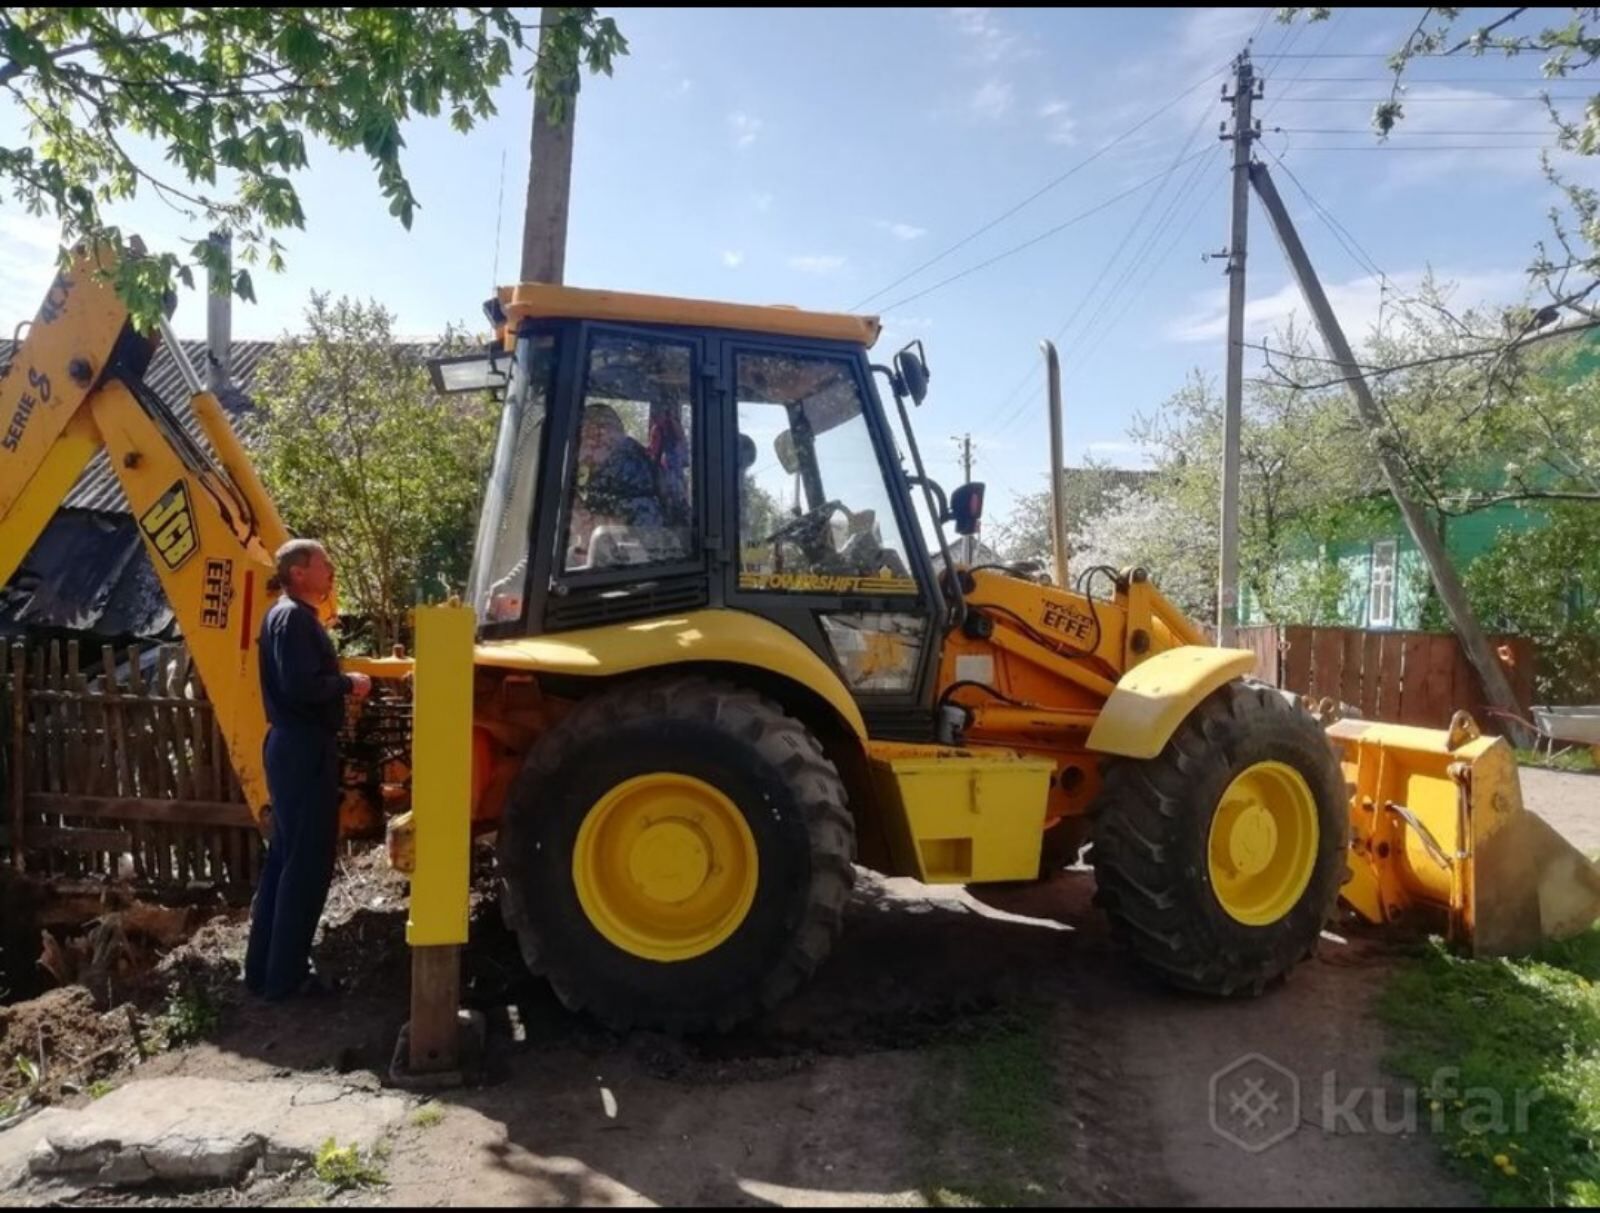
[{"x": 360, "y": 686}]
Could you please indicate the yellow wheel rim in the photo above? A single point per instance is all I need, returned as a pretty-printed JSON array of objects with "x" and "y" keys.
[
  {"x": 1263, "y": 844},
  {"x": 665, "y": 867}
]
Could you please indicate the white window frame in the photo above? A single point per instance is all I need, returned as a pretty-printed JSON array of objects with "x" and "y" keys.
[{"x": 1381, "y": 583}]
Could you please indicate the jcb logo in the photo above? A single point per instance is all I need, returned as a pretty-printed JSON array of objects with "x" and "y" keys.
[{"x": 169, "y": 523}]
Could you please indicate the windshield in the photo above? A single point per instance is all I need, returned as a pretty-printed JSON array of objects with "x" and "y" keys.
[{"x": 500, "y": 554}]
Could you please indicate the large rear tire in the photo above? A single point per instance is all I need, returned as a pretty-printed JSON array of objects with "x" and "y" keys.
[
  {"x": 1219, "y": 860},
  {"x": 676, "y": 855}
]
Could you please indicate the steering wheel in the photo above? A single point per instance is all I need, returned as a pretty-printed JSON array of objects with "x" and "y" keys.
[{"x": 808, "y": 529}]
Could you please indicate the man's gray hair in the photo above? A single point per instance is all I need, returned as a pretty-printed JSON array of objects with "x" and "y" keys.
[{"x": 296, "y": 554}]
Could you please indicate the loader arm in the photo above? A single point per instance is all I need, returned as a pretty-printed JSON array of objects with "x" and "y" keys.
[{"x": 75, "y": 387}]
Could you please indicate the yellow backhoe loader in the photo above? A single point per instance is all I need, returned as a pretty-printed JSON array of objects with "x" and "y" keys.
[{"x": 715, "y": 651}]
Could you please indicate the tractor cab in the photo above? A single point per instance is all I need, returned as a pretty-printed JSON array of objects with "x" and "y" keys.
[{"x": 657, "y": 456}]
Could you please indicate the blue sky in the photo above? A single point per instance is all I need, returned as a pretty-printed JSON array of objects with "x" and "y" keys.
[{"x": 815, "y": 157}]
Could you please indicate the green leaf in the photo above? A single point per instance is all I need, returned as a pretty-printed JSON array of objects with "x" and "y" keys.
[{"x": 191, "y": 84}]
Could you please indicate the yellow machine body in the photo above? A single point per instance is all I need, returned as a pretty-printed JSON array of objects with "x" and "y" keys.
[{"x": 1056, "y": 684}]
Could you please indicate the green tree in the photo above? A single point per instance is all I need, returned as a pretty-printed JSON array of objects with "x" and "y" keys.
[
  {"x": 1567, "y": 269},
  {"x": 1546, "y": 585},
  {"x": 360, "y": 452},
  {"x": 211, "y": 108},
  {"x": 1303, "y": 464},
  {"x": 1087, "y": 491}
]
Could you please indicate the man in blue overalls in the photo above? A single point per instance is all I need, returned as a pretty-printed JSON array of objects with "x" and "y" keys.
[{"x": 304, "y": 693}]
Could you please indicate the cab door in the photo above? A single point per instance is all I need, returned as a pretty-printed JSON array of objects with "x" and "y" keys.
[
  {"x": 819, "y": 523},
  {"x": 629, "y": 533}
]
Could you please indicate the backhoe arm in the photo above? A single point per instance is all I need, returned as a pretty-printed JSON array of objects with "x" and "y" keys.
[{"x": 76, "y": 386}]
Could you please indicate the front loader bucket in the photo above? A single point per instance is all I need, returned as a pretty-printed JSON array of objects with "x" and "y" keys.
[{"x": 1438, "y": 832}]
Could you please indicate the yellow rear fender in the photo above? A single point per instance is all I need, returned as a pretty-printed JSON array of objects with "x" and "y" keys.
[
  {"x": 698, "y": 638},
  {"x": 1156, "y": 696}
]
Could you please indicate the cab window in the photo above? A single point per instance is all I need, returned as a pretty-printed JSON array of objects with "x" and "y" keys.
[{"x": 814, "y": 511}]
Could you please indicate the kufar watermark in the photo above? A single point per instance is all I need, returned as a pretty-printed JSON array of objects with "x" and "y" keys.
[{"x": 1256, "y": 1103}]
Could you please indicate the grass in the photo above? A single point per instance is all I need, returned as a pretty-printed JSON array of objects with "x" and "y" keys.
[
  {"x": 984, "y": 1116},
  {"x": 1473, "y": 1034},
  {"x": 344, "y": 1167},
  {"x": 191, "y": 1015},
  {"x": 100, "y": 1089},
  {"x": 428, "y": 1116},
  {"x": 1580, "y": 758}
]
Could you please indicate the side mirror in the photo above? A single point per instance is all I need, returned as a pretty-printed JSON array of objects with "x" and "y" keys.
[
  {"x": 912, "y": 367},
  {"x": 966, "y": 507}
]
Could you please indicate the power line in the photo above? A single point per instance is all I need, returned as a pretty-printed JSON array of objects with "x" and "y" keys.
[
  {"x": 1349, "y": 130},
  {"x": 1435, "y": 147},
  {"x": 1117, "y": 301},
  {"x": 1010, "y": 408},
  {"x": 1128, "y": 236},
  {"x": 1408, "y": 99},
  {"x": 1345, "y": 237},
  {"x": 1040, "y": 192},
  {"x": 1360, "y": 55},
  {"x": 1304, "y": 65},
  {"x": 1409, "y": 80},
  {"x": 1044, "y": 235},
  {"x": 1262, "y": 24},
  {"x": 1291, "y": 35},
  {"x": 1156, "y": 265}
]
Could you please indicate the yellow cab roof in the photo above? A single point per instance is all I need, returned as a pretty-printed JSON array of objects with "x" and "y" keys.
[{"x": 538, "y": 300}]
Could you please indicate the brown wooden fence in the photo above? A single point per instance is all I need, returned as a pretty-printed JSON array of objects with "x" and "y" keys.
[
  {"x": 1419, "y": 678},
  {"x": 120, "y": 771}
]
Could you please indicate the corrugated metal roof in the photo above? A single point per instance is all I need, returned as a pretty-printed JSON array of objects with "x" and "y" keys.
[
  {"x": 97, "y": 488},
  {"x": 88, "y": 573}
]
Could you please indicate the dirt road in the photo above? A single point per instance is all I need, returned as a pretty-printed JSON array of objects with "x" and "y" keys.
[{"x": 952, "y": 1050}]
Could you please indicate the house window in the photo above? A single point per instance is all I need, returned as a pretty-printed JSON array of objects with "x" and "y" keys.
[{"x": 1380, "y": 607}]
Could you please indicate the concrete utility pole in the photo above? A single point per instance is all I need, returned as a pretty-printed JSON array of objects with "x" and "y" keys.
[
  {"x": 1451, "y": 593},
  {"x": 1243, "y": 134},
  {"x": 544, "y": 222}
]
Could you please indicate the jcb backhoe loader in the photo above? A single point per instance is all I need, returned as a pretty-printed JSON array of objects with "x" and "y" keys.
[{"x": 711, "y": 663}]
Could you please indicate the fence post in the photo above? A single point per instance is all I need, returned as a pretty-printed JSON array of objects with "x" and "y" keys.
[{"x": 19, "y": 746}]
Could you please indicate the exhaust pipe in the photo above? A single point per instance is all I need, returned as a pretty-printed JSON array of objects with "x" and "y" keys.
[{"x": 1058, "y": 507}]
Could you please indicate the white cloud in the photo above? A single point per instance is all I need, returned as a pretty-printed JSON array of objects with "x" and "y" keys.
[
  {"x": 817, "y": 263},
  {"x": 1356, "y": 303},
  {"x": 987, "y": 39},
  {"x": 993, "y": 100},
  {"x": 902, "y": 231},
  {"x": 745, "y": 128},
  {"x": 732, "y": 258},
  {"x": 1060, "y": 125}
]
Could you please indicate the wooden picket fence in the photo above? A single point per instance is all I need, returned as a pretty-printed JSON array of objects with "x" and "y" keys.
[
  {"x": 116, "y": 772},
  {"x": 1419, "y": 678}
]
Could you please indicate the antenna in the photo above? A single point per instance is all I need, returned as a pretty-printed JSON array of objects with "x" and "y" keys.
[{"x": 499, "y": 215}]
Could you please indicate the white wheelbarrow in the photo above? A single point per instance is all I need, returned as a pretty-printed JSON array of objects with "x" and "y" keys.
[{"x": 1570, "y": 726}]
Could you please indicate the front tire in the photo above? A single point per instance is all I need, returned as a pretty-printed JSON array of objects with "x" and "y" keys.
[{"x": 1219, "y": 860}]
